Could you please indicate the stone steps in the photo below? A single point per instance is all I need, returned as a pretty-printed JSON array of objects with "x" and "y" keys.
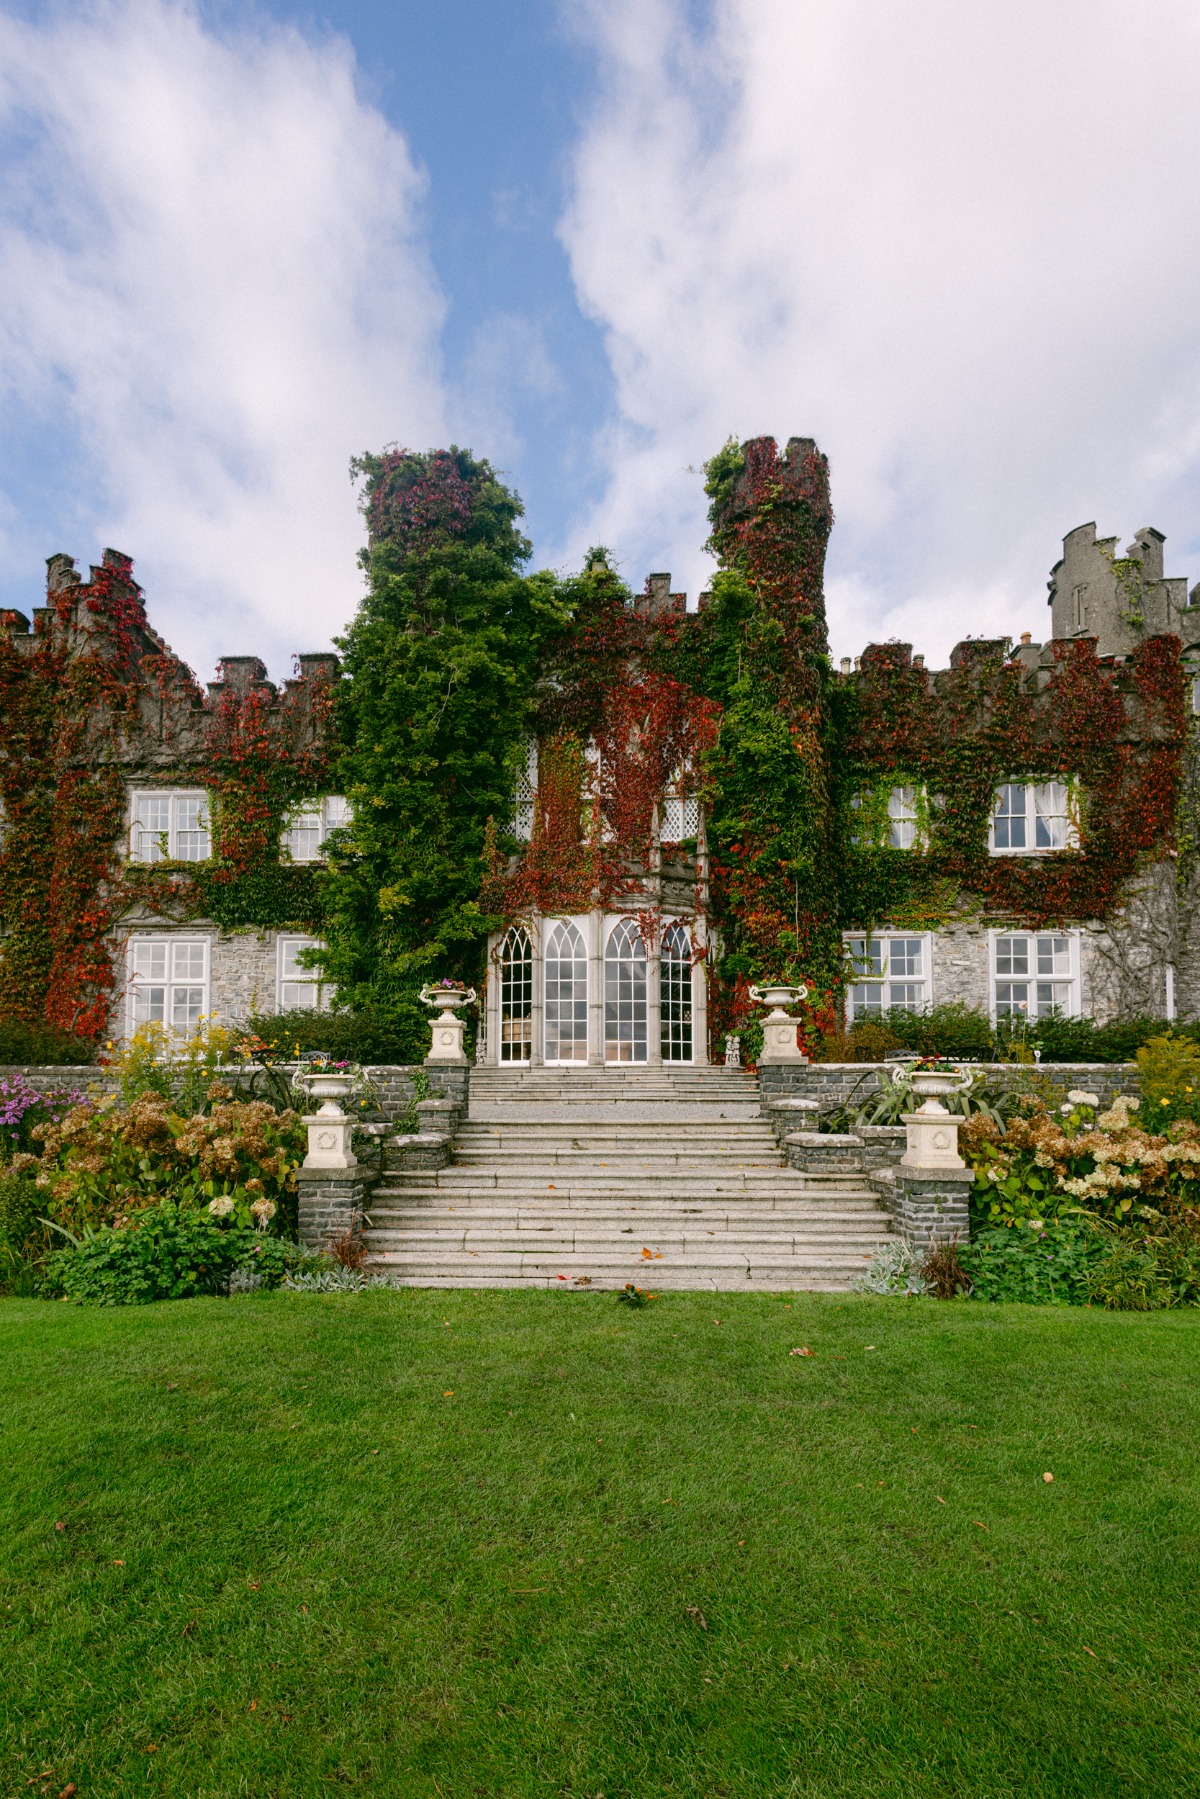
[
  {"x": 682, "y": 1183},
  {"x": 562, "y": 1096},
  {"x": 564, "y": 1177}
]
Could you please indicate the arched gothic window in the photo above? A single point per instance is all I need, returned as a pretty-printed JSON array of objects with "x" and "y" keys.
[
  {"x": 566, "y": 995},
  {"x": 516, "y": 996},
  {"x": 625, "y": 994},
  {"x": 676, "y": 990}
]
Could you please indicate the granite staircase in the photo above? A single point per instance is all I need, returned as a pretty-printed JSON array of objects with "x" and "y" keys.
[{"x": 590, "y": 1177}]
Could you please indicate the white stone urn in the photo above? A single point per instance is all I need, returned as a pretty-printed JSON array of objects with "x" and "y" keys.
[
  {"x": 448, "y": 1029},
  {"x": 932, "y": 1130},
  {"x": 329, "y": 1129},
  {"x": 779, "y": 1027}
]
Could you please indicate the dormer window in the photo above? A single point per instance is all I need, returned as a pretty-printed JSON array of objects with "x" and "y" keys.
[
  {"x": 169, "y": 825},
  {"x": 310, "y": 825},
  {"x": 1031, "y": 818}
]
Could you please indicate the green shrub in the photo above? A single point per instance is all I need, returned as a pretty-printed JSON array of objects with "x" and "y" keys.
[
  {"x": 367, "y": 1036},
  {"x": 1144, "y": 1274},
  {"x": 22, "y": 1234},
  {"x": 964, "y": 1033},
  {"x": 1169, "y": 1074},
  {"x": 952, "y": 1030},
  {"x": 168, "y": 1252},
  {"x": 1052, "y": 1266},
  {"x": 42, "y": 1045}
]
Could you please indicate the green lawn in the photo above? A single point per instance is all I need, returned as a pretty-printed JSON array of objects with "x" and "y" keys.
[{"x": 459, "y": 1544}]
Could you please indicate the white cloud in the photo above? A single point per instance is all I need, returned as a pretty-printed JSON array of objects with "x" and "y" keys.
[
  {"x": 953, "y": 241},
  {"x": 213, "y": 280}
]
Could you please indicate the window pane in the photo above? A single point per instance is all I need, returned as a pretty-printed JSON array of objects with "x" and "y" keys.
[
  {"x": 187, "y": 961},
  {"x": 1054, "y": 955},
  {"x": 1008, "y": 826},
  {"x": 867, "y": 954},
  {"x": 1053, "y": 996},
  {"x": 338, "y": 813},
  {"x": 150, "y": 961},
  {"x": 302, "y": 839},
  {"x": 149, "y": 1005},
  {"x": 1012, "y": 999},
  {"x": 906, "y": 996},
  {"x": 902, "y": 816},
  {"x": 1012, "y": 955},
  {"x": 1052, "y": 827},
  {"x": 299, "y": 996},
  {"x": 192, "y": 841},
  {"x": 672, "y": 820},
  {"x": 905, "y": 956},
  {"x": 865, "y": 997},
  {"x": 187, "y": 1004},
  {"x": 151, "y": 826},
  {"x": 291, "y": 968}
]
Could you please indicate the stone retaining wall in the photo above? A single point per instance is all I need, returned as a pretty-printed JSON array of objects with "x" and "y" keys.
[
  {"x": 395, "y": 1083},
  {"x": 831, "y": 1084}
]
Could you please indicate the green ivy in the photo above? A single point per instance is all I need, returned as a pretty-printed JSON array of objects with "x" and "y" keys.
[{"x": 443, "y": 660}]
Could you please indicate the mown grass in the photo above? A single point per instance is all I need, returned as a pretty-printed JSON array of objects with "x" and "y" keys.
[{"x": 539, "y": 1544}]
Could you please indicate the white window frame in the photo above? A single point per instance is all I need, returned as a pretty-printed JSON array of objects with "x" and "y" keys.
[
  {"x": 679, "y": 818},
  {"x": 173, "y": 981},
  {"x": 145, "y": 843},
  {"x": 524, "y": 800},
  {"x": 1045, "y": 804},
  {"x": 289, "y": 976},
  {"x": 332, "y": 813},
  {"x": 903, "y": 819},
  {"x": 1065, "y": 978},
  {"x": 859, "y": 1006}
]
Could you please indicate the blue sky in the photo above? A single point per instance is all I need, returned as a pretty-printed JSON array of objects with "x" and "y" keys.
[{"x": 956, "y": 243}]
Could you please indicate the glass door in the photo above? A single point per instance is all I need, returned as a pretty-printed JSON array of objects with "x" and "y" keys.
[
  {"x": 625, "y": 994},
  {"x": 676, "y": 990},
  {"x": 516, "y": 996},
  {"x": 566, "y": 994}
]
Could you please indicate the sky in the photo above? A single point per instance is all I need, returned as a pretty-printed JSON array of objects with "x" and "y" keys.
[{"x": 956, "y": 243}]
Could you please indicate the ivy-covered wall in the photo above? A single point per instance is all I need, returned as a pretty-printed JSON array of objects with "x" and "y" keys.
[
  {"x": 92, "y": 702},
  {"x": 460, "y": 657}
]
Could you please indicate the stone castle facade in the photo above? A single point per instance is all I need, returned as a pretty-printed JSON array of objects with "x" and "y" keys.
[{"x": 1071, "y": 890}]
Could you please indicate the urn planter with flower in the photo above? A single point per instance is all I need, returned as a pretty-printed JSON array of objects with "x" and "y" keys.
[
  {"x": 449, "y": 997},
  {"x": 932, "y": 1130},
  {"x": 329, "y": 1129},
  {"x": 779, "y": 1027}
]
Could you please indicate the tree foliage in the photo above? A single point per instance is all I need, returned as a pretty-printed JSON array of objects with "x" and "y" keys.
[{"x": 442, "y": 659}]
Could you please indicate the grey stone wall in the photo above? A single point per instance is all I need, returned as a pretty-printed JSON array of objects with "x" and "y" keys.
[
  {"x": 331, "y": 1205},
  {"x": 395, "y": 1083},
  {"x": 68, "y": 1079},
  {"x": 932, "y": 1207},
  {"x": 1122, "y": 969},
  {"x": 831, "y": 1084}
]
